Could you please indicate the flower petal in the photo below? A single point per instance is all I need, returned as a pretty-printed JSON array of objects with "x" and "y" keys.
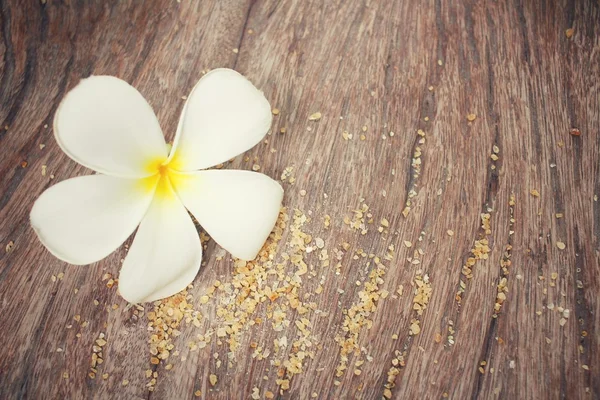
[
  {"x": 166, "y": 252},
  {"x": 106, "y": 125},
  {"x": 224, "y": 116},
  {"x": 237, "y": 208},
  {"x": 84, "y": 219}
]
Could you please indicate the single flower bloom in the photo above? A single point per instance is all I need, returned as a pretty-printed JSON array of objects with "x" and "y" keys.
[{"x": 106, "y": 125}]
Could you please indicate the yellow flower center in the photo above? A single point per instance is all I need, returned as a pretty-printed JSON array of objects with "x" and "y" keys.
[
  {"x": 162, "y": 178},
  {"x": 163, "y": 169}
]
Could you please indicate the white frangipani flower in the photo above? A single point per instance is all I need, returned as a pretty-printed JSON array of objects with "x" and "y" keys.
[{"x": 106, "y": 125}]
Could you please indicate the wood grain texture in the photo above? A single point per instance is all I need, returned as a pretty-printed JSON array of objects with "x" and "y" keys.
[{"x": 390, "y": 66}]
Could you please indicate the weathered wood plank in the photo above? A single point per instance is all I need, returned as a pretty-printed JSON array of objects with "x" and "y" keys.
[{"x": 388, "y": 66}]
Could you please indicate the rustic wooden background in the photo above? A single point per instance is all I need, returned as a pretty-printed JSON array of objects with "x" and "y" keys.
[{"x": 391, "y": 66}]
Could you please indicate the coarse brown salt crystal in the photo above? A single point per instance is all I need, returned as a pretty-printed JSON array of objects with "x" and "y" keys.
[
  {"x": 400, "y": 290},
  {"x": 569, "y": 33},
  {"x": 315, "y": 116},
  {"x": 575, "y": 132}
]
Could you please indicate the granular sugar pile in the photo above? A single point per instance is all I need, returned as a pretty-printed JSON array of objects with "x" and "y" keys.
[
  {"x": 270, "y": 292},
  {"x": 269, "y": 285},
  {"x": 163, "y": 325},
  {"x": 358, "y": 316}
]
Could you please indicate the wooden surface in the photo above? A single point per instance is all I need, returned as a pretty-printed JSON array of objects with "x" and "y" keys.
[{"x": 389, "y": 66}]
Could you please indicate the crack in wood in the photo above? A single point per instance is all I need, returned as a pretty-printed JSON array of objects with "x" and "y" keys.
[
  {"x": 8, "y": 62},
  {"x": 501, "y": 284},
  {"x": 584, "y": 314},
  {"x": 243, "y": 33},
  {"x": 18, "y": 99}
]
